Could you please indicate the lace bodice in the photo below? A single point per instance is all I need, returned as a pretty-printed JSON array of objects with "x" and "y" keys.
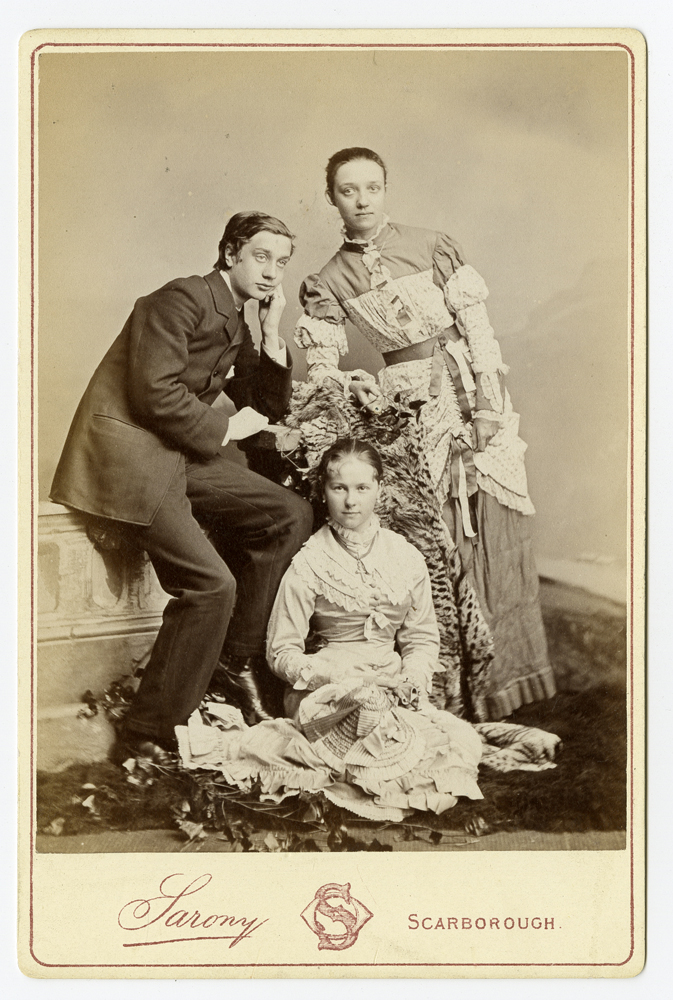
[
  {"x": 358, "y": 607},
  {"x": 393, "y": 292},
  {"x": 404, "y": 287}
]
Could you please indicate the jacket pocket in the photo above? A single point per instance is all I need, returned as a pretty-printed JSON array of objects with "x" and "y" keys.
[{"x": 126, "y": 469}]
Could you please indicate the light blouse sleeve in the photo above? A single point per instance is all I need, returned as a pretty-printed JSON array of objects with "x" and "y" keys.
[
  {"x": 321, "y": 331},
  {"x": 289, "y": 626},
  {"x": 465, "y": 294},
  {"x": 418, "y": 637}
]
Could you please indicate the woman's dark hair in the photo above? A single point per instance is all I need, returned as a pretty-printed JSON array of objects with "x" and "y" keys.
[
  {"x": 346, "y": 156},
  {"x": 242, "y": 227},
  {"x": 348, "y": 448}
]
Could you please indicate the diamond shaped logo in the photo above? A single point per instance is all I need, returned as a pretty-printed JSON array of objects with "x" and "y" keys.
[{"x": 335, "y": 916}]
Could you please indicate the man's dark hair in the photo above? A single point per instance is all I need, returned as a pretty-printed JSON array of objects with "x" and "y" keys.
[
  {"x": 242, "y": 227},
  {"x": 346, "y": 156}
]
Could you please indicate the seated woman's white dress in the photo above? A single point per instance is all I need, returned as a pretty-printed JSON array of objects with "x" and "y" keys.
[{"x": 368, "y": 600}]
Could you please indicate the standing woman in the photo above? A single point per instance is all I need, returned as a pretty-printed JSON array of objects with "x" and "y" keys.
[{"x": 410, "y": 293}]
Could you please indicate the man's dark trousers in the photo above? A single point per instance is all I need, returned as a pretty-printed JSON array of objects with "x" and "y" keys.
[{"x": 257, "y": 526}]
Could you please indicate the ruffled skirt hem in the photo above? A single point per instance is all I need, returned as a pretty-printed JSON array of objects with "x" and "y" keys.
[{"x": 277, "y": 757}]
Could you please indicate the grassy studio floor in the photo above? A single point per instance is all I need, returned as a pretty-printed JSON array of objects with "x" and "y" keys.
[{"x": 580, "y": 805}]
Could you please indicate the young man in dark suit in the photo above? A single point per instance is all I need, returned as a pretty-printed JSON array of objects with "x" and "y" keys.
[{"x": 145, "y": 450}]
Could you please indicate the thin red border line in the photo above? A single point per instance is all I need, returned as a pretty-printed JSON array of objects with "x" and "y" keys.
[
  {"x": 32, "y": 492},
  {"x": 337, "y": 45},
  {"x": 632, "y": 456},
  {"x": 566, "y": 45},
  {"x": 329, "y": 965}
]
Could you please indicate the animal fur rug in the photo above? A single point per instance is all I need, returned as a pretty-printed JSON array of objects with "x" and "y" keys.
[{"x": 319, "y": 416}]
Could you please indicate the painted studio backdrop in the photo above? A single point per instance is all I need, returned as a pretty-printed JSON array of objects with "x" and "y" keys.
[{"x": 520, "y": 156}]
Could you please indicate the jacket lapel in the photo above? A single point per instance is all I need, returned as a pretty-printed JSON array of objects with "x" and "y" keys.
[{"x": 234, "y": 324}]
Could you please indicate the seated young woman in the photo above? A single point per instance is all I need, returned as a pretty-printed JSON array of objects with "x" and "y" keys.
[{"x": 360, "y": 726}]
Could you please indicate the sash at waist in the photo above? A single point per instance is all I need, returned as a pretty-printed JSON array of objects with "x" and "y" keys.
[{"x": 418, "y": 352}]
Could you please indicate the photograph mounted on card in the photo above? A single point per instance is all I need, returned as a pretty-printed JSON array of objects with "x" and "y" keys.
[{"x": 333, "y": 503}]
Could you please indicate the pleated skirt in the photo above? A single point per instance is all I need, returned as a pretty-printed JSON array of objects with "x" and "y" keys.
[{"x": 500, "y": 565}]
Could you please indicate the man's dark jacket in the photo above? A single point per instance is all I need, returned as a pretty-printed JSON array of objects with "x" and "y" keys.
[{"x": 148, "y": 404}]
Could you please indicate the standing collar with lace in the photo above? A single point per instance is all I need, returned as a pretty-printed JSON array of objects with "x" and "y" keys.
[
  {"x": 357, "y": 543},
  {"x": 368, "y": 244},
  {"x": 380, "y": 277}
]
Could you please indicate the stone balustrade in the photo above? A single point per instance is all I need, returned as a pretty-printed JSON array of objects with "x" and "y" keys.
[{"x": 98, "y": 614}]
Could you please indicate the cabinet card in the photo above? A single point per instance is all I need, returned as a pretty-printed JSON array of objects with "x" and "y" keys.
[{"x": 526, "y": 147}]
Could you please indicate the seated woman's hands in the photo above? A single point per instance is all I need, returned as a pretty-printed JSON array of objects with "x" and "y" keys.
[
  {"x": 407, "y": 695},
  {"x": 323, "y": 676}
]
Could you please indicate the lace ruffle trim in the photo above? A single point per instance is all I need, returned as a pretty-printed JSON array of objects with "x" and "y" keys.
[
  {"x": 356, "y": 541},
  {"x": 325, "y": 571},
  {"x": 489, "y": 383},
  {"x": 504, "y": 496}
]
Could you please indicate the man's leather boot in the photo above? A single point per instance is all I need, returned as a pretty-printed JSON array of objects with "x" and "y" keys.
[{"x": 239, "y": 680}]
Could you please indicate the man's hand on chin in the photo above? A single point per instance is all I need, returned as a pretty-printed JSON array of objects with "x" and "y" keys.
[{"x": 270, "y": 312}]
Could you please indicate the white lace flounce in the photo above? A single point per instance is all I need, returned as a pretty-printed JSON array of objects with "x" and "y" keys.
[
  {"x": 505, "y": 497},
  {"x": 331, "y": 572},
  {"x": 276, "y": 756}
]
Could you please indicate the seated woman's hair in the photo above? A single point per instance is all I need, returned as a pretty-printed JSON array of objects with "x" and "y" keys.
[
  {"x": 346, "y": 156},
  {"x": 242, "y": 227},
  {"x": 349, "y": 448}
]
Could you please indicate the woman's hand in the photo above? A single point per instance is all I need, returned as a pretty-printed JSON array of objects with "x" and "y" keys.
[
  {"x": 317, "y": 681},
  {"x": 484, "y": 430},
  {"x": 270, "y": 311},
  {"x": 407, "y": 695},
  {"x": 368, "y": 395},
  {"x": 356, "y": 680}
]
